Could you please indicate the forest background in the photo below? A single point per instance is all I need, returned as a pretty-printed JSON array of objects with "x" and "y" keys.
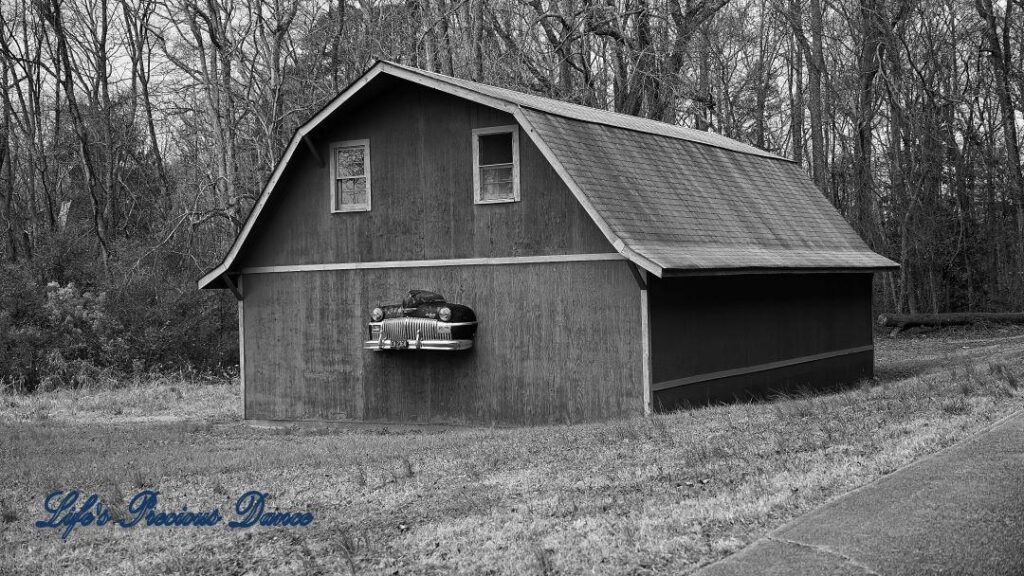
[{"x": 135, "y": 136}]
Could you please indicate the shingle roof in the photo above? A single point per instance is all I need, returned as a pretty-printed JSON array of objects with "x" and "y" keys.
[
  {"x": 684, "y": 205},
  {"x": 672, "y": 199}
]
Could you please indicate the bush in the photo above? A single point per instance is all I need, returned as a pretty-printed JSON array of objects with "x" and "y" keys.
[
  {"x": 55, "y": 336},
  {"x": 170, "y": 324},
  {"x": 21, "y": 327},
  {"x": 79, "y": 329}
]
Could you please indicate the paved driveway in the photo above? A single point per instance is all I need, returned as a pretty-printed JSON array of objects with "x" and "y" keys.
[{"x": 960, "y": 511}]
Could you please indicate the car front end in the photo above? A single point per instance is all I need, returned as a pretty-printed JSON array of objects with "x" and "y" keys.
[{"x": 435, "y": 325}]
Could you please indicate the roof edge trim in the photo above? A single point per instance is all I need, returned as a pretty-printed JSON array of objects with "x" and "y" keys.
[
  {"x": 684, "y": 272},
  {"x": 767, "y": 155}
]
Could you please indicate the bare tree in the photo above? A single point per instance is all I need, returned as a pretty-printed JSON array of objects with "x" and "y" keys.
[
  {"x": 52, "y": 14},
  {"x": 1000, "y": 52}
]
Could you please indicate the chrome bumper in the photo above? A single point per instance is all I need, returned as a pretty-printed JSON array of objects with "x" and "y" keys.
[
  {"x": 415, "y": 334},
  {"x": 378, "y": 345}
]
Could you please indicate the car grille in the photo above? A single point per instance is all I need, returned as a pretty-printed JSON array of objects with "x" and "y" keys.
[{"x": 406, "y": 329}]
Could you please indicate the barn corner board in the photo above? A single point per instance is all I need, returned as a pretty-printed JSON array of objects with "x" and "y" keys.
[{"x": 433, "y": 249}]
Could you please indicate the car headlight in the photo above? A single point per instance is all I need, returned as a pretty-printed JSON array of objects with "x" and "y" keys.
[
  {"x": 444, "y": 314},
  {"x": 377, "y": 314}
]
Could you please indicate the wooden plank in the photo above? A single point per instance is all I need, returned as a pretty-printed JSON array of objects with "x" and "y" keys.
[
  {"x": 681, "y": 273},
  {"x": 722, "y": 374},
  {"x": 236, "y": 290},
  {"x": 241, "y": 347},
  {"x": 435, "y": 263},
  {"x": 840, "y": 370},
  {"x": 641, "y": 280},
  {"x": 645, "y": 355}
]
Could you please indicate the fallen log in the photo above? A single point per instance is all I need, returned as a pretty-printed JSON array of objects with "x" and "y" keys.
[{"x": 900, "y": 321}]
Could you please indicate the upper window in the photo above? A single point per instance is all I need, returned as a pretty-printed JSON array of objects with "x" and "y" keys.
[
  {"x": 350, "y": 176},
  {"x": 496, "y": 164}
]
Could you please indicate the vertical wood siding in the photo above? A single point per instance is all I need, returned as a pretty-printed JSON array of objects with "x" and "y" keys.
[
  {"x": 422, "y": 191},
  {"x": 702, "y": 325},
  {"x": 556, "y": 343},
  {"x": 241, "y": 346}
]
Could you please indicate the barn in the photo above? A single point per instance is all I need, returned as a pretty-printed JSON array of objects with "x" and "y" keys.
[{"x": 430, "y": 249}]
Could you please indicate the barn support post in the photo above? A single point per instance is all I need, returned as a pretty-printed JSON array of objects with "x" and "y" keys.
[
  {"x": 642, "y": 282},
  {"x": 638, "y": 275},
  {"x": 645, "y": 349},
  {"x": 241, "y": 348},
  {"x": 645, "y": 353},
  {"x": 235, "y": 289}
]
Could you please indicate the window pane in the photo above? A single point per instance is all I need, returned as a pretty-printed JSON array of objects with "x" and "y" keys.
[
  {"x": 495, "y": 148},
  {"x": 492, "y": 174},
  {"x": 350, "y": 161},
  {"x": 496, "y": 191},
  {"x": 352, "y": 192}
]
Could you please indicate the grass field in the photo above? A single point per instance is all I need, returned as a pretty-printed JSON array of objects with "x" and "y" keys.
[{"x": 661, "y": 495}]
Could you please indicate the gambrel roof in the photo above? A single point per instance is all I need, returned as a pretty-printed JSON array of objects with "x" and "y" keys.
[{"x": 673, "y": 200}]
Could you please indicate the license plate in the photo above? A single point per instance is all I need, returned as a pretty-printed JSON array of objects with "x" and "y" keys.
[{"x": 399, "y": 344}]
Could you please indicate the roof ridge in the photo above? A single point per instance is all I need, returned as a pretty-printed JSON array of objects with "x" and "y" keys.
[{"x": 599, "y": 115}]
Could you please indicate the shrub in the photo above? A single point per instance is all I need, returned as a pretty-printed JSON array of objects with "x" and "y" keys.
[
  {"x": 169, "y": 324},
  {"x": 81, "y": 326},
  {"x": 22, "y": 331},
  {"x": 62, "y": 326}
]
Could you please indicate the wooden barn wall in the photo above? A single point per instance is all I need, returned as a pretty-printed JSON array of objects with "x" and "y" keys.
[
  {"x": 556, "y": 343},
  {"x": 422, "y": 193},
  {"x": 702, "y": 325}
]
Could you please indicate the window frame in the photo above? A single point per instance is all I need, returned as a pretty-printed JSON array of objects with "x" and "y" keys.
[
  {"x": 477, "y": 132},
  {"x": 335, "y": 201}
]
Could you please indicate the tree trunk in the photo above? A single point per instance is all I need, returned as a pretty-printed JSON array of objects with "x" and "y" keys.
[
  {"x": 1000, "y": 55},
  {"x": 478, "y": 41},
  {"x": 140, "y": 53},
  {"x": 815, "y": 70},
  {"x": 7, "y": 163},
  {"x": 336, "y": 47},
  {"x": 705, "y": 99},
  {"x": 957, "y": 319},
  {"x": 868, "y": 65},
  {"x": 51, "y": 13},
  {"x": 796, "y": 89}
]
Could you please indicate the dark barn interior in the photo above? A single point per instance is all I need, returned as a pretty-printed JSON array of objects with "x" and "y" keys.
[{"x": 722, "y": 338}]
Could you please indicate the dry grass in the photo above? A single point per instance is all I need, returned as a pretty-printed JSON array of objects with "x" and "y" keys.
[
  {"x": 144, "y": 398},
  {"x": 659, "y": 495}
]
